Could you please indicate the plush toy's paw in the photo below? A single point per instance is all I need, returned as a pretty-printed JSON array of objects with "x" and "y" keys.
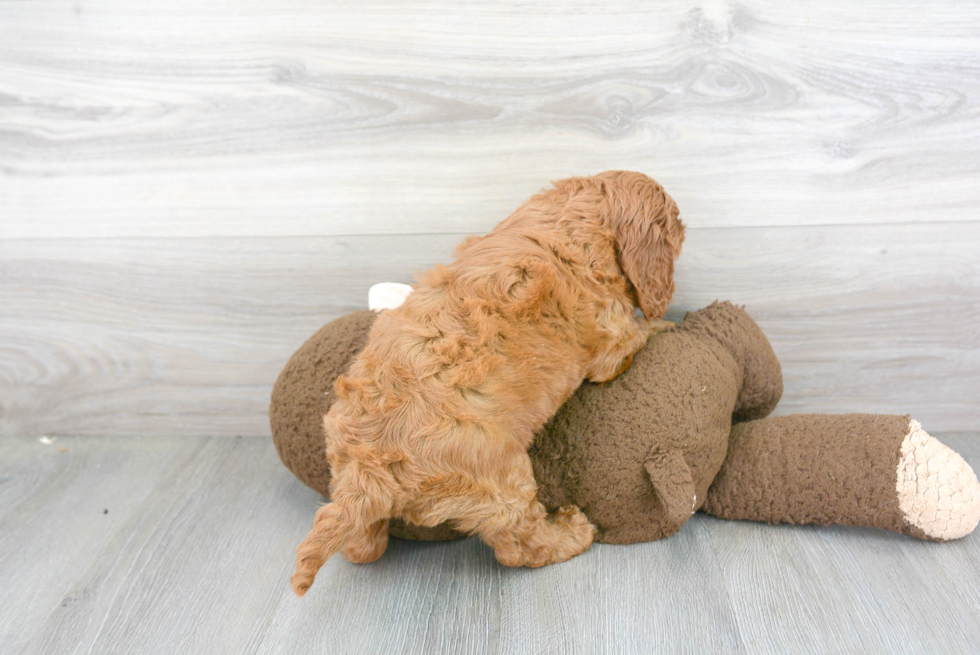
[{"x": 937, "y": 490}]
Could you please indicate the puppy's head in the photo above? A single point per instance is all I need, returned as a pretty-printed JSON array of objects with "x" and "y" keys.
[{"x": 648, "y": 233}]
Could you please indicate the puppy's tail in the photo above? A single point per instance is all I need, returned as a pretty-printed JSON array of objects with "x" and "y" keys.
[
  {"x": 332, "y": 529},
  {"x": 362, "y": 497}
]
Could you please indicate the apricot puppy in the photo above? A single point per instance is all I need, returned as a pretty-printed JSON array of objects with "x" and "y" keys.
[{"x": 433, "y": 421}]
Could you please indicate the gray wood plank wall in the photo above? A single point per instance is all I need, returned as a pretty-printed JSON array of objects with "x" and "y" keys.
[{"x": 189, "y": 189}]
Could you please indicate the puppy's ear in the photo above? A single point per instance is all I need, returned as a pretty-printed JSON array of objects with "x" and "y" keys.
[{"x": 648, "y": 237}]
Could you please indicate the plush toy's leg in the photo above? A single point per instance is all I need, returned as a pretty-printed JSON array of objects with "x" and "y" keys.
[{"x": 852, "y": 469}]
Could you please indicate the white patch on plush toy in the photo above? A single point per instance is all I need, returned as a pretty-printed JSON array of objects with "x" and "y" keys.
[
  {"x": 937, "y": 490},
  {"x": 387, "y": 295}
]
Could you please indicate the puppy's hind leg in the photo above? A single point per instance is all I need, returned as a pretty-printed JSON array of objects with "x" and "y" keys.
[
  {"x": 509, "y": 518},
  {"x": 368, "y": 546},
  {"x": 538, "y": 539}
]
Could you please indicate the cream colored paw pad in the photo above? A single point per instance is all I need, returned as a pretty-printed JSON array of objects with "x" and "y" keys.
[{"x": 937, "y": 490}]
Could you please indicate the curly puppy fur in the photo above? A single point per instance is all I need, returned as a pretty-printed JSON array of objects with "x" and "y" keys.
[{"x": 434, "y": 419}]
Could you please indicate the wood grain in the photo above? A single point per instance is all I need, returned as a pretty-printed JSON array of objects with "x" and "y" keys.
[
  {"x": 188, "y": 190},
  {"x": 300, "y": 118},
  {"x": 187, "y": 336},
  {"x": 195, "y": 553},
  {"x": 64, "y": 505},
  {"x": 854, "y": 589}
]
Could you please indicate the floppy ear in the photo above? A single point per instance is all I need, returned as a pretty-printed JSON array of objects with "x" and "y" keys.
[
  {"x": 648, "y": 261},
  {"x": 648, "y": 238}
]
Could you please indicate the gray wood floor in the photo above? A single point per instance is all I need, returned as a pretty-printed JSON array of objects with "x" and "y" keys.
[{"x": 185, "y": 545}]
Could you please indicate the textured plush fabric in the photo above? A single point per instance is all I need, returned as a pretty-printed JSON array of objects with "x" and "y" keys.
[
  {"x": 304, "y": 392},
  {"x": 665, "y": 420},
  {"x": 639, "y": 454},
  {"x": 831, "y": 469}
]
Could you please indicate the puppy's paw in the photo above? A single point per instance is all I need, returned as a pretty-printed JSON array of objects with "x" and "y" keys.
[
  {"x": 369, "y": 546},
  {"x": 623, "y": 367},
  {"x": 608, "y": 375},
  {"x": 655, "y": 325},
  {"x": 573, "y": 520},
  {"x": 571, "y": 534}
]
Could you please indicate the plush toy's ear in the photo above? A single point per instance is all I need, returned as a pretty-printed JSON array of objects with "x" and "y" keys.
[
  {"x": 672, "y": 481},
  {"x": 387, "y": 295}
]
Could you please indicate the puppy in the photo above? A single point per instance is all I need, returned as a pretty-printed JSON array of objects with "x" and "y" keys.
[{"x": 434, "y": 419}]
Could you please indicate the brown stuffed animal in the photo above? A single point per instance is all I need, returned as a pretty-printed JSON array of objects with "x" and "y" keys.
[{"x": 643, "y": 452}]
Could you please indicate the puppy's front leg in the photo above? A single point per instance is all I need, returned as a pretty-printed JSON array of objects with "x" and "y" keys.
[{"x": 619, "y": 355}]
